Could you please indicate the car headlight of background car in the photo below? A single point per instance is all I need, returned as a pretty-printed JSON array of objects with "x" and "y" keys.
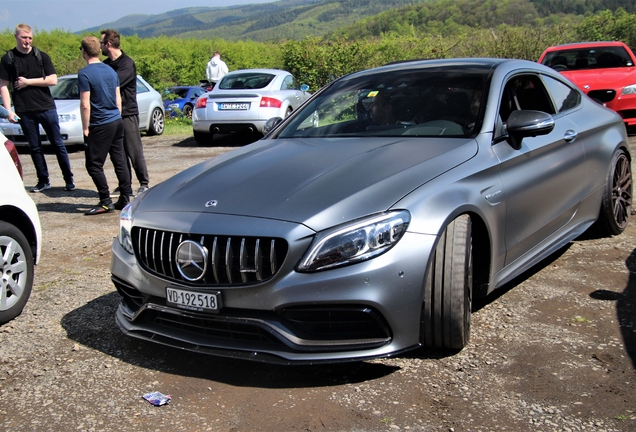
[
  {"x": 354, "y": 242},
  {"x": 125, "y": 226},
  {"x": 629, "y": 90}
]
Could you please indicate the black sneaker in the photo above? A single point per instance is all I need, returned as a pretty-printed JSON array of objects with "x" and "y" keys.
[
  {"x": 121, "y": 203},
  {"x": 41, "y": 186},
  {"x": 69, "y": 186},
  {"x": 142, "y": 189},
  {"x": 100, "y": 208}
]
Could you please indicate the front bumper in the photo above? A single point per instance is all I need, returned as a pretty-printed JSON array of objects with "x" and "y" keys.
[
  {"x": 367, "y": 310},
  {"x": 70, "y": 136}
]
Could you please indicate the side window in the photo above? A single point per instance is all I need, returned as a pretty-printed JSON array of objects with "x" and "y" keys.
[
  {"x": 564, "y": 97},
  {"x": 524, "y": 92},
  {"x": 289, "y": 83},
  {"x": 141, "y": 88}
]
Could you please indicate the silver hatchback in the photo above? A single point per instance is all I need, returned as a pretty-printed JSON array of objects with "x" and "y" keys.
[
  {"x": 365, "y": 223},
  {"x": 66, "y": 96},
  {"x": 244, "y": 100}
]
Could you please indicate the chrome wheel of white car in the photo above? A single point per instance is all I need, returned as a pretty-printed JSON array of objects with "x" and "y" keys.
[
  {"x": 448, "y": 291},
  {"x": 16, "y": 262},
  {"x": 156, "y": 123}
]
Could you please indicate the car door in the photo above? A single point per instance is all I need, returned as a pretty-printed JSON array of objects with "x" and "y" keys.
[
  {"x": 542, "y": 179},
  {"x": 144, "y": 100},
  {"x": 291, "y": 90}
]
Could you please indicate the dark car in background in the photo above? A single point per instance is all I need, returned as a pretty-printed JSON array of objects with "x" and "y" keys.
[
  {"x": 179, "y": 100},
  {"x": 366, "y": 222}
]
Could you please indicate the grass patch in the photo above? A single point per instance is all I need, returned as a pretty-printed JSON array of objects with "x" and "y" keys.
[
  {"x": 178, "y": 126},
  {"x": 580, "y": 319},
  {"x": 622, "y": 417}
]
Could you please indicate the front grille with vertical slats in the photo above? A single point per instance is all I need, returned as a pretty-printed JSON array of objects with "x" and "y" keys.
[{"x": 232, "y": 260}]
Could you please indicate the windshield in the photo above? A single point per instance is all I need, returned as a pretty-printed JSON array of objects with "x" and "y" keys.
[
  {"x": 179, "y": 92},
  {"x": 588, "y": 58},
  {"x": 415, "y": 102},
  {"x": 65, "y": 89}
]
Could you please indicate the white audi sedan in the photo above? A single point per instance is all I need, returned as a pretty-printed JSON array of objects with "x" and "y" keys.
[{"x": 244, "y": 100}]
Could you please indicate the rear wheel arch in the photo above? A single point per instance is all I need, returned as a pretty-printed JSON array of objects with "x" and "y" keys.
[{"x": 616, "y": 204}]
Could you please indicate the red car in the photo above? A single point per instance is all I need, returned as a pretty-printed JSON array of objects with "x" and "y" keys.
[{"x": 606, "y": 71}]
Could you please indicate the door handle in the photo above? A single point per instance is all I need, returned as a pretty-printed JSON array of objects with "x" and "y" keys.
[{"x": 570, "y": 135}]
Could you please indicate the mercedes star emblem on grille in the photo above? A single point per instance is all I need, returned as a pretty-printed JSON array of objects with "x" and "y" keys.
[{"x": 192, "y": 260}]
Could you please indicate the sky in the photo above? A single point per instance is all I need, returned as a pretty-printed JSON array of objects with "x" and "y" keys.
[{"x": 76, "y": 15}]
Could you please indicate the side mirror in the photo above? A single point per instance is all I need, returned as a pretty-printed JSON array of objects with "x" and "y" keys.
[
  {"x": 271, "y": 124},
  {"x": 304, "y": 87},
  {"x": 528, "y": 123}
]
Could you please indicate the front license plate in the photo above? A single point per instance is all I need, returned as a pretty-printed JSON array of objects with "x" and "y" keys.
[
  {"x": 192, "y": 300},
  {"x": 234, "y": 106}
]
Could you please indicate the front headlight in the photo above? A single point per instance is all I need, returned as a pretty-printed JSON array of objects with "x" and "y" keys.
[
  {"x": 125, "y": 226},
  {"x": 355, "y": 241},
  {"x": 173, "y": 106},
  {"x": 64, "y": 118},
  {"x": 629, "y": 90}
]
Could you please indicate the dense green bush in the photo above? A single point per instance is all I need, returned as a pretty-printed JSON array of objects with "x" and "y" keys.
[{"x": 166, "y": 61}]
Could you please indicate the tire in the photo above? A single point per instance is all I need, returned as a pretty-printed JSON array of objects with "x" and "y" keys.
[
  {"x": 288, "y": 112},
  {"x": 156, "y": 122},
  {"x": 447, "y": 303},
  {"x": 616, "y": 206},
  {"x": 187, "y": 111},
  {"x": 16, "y": 262},
  {"x": 202, "y": 138}
]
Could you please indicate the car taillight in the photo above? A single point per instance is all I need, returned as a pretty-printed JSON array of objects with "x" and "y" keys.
[
  {"x": 202, "y": 102},
  {"x": 14, "y": 155},
  {"x": 268, "y": 102}
]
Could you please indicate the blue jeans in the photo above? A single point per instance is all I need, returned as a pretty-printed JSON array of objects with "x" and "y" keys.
[{"x": 30, "y": 123}]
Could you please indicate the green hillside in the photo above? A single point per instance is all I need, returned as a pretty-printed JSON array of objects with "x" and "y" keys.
[
  {"x": 280, "y": 20},
  {"x": 449, "y": 16},
  {"x": 298, "y": 19}
]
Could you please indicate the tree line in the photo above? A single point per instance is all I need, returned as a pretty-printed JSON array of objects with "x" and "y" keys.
[{"x": 167, "y": 61}]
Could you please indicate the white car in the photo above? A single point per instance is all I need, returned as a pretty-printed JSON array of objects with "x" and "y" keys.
[
  {"x": 244, "y": 100},
  {"x": 66, "y": 96},
  {"x": 20, "y": 235}
]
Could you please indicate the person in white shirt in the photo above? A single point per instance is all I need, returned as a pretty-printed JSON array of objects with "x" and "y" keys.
[{"x": 216, "y": 68}]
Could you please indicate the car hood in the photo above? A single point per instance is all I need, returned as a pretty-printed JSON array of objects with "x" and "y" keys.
[
  {"x": 602, "y": 78},
  {"x": 67, "y": 106},
  {"x": 315, "y": 182}
]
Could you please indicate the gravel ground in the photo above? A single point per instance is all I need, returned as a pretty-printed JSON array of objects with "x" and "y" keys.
[{"x": 554, "y": 350}]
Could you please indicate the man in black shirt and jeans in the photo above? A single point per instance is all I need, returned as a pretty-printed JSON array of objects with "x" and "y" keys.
[
  {"x": 127, "y": 73},
  {"x": 31, "y": 73}
]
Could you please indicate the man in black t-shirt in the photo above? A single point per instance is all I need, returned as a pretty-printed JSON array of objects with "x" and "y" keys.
[
  {"x": 127, "y": 73},
  {"x": 30, "y": 72}
]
